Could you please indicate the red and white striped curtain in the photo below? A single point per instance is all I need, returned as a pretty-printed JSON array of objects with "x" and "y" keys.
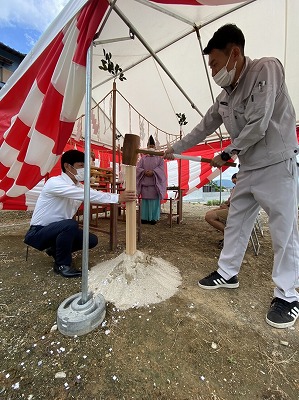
[{"x": 38, "y": 111}]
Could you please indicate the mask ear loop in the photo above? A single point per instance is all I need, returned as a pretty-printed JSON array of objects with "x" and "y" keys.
[
  {"x": 70, "y": 171},
  {"x": 229, "y": 59}
]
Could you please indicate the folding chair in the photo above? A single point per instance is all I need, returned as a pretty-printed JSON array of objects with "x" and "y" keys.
[{"x": 256, "y": 231}]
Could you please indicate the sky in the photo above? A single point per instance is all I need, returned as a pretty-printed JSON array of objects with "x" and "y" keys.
[{"x": 23, "y": 21}]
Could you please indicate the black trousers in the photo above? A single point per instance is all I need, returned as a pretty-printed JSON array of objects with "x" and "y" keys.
[{"x": 63, "y": 237}]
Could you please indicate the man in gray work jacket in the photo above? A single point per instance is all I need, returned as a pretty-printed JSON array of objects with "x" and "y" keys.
[{"x": 257, "y": 112}]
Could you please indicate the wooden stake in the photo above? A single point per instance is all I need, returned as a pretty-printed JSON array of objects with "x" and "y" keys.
[{"x": 130, "y": 177}]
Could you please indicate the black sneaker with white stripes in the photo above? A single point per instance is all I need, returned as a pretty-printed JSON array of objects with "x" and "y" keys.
[
  {"x": 215, "y": 281},
  {"x": 282, "y": 314}
]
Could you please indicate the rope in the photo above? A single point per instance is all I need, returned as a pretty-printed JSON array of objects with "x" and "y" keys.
[
  {"x": 130, "y": 119},
  {"x": 165, "y": 88}
]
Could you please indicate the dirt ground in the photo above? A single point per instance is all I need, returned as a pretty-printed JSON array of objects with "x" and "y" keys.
[{"x": 197, "y": 345}]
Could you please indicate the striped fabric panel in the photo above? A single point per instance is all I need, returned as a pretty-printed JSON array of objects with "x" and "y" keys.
[
  {"x": 193, "y": 175},
  {"x": 32, "y": 137},
  {"x": 39, "y": 104}
]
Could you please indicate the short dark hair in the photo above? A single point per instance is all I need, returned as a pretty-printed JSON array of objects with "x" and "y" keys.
[
  {"x": 228, "y": 34},
  {"x": 234, "y": 176},
  {"x": 71, "y": 157}
]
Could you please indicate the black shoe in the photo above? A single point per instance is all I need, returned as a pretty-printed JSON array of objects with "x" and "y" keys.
[
  {"x": 282, "y": 314},
  {"x": 215, "y": 281},
  {"x": 145, "y": 221},
  {"x": 66, "y": 271},
  {"x": 50, "y": 252},
  {"x": 153, "y": 222}
]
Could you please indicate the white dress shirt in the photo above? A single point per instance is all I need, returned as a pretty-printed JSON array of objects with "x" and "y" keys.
[{"x": 61, "y": 197}]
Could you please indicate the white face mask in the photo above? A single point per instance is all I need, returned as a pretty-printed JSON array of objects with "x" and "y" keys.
[
  {"x": 224, "y": 77},
  {"x": 79, "y": 175}
]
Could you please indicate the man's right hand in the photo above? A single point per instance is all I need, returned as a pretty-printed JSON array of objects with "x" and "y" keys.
[
  {"x": 168, "y": 154},
  {"x": 127, "y": 195},
  {"x": 217, "y": 161}
]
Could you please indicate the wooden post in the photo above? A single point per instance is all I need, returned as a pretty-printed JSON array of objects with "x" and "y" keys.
[
  {"x": 130, "y": 155},
  {"x": 113, "y": 207},
  {"x": 180, "y": 200},
  {"x": 130, "y": 211}
]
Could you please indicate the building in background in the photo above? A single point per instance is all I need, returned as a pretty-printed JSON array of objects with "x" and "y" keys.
[{"x": 10, "y": 59}]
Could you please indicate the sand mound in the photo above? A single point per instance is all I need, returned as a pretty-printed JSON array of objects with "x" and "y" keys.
[{"x": 134, "y": 281}]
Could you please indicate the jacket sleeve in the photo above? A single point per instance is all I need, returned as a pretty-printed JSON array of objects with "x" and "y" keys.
[{"x": 260, "y": 106}]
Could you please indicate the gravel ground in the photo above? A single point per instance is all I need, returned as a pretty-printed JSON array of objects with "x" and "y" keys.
[{"x": 209, "y": 345}]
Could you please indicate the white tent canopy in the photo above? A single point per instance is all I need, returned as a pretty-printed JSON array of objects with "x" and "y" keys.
[
  {"x": 269, "y": 27},
  {"x": 166, "y": 74}
]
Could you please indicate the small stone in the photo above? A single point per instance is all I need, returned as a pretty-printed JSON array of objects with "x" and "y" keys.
[
  {"x": 16, "y": 386},
  {"x": 214, "y": 345},
  {"x": 54, "y": 328},
  {"x": 284, "y": 343},
  {"x": 60, "y": 375}
]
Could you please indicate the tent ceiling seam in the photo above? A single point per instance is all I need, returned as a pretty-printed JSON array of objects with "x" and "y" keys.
[
  {"x": 149, "y": 49},
  {"x": 164, "y": 11}
]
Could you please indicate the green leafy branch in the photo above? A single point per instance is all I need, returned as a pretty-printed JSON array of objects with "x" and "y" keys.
[
  {"x": 182, "y": 119},
  {"x": 108, "y": 65}
]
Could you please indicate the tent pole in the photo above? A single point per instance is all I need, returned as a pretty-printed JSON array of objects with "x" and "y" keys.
[
  {"x": 86, "y": 211},
  {"x": 207, "y": 74},
  {"x": 213, "y": 99},
  {"x": 164, "y": 11},
  {"x": 176, "y": 39},
  {"x": 182, "y": 19},
  {"x": 96, "y": 36},
  {"x": 82, "y": 312},
  {"x": 204, "y": 63},
  {"x": 149, "y": 49}
]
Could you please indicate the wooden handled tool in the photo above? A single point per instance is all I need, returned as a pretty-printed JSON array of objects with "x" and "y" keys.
[
  {"x": 182, "y": 157},
  {"x": 130, "y": 152},
  {"x": 131, "y": 149}
]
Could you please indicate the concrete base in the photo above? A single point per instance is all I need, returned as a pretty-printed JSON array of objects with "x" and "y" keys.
[{"x": 75, "y": 318}]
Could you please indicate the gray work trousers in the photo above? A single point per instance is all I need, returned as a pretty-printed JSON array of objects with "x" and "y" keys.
[{"x": 274, "y": 188}]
